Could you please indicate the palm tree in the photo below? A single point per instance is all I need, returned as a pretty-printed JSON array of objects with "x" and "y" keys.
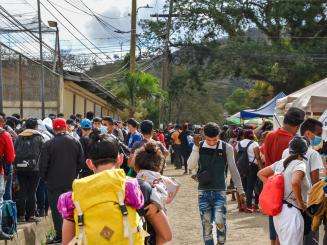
[{"x": 138, "y": 86}]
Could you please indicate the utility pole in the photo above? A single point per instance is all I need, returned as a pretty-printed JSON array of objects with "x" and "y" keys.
[
  {"x": 165, "y": 75},
  {"x": 133, "y": 37},
  {"x": 41, "y": 60}
]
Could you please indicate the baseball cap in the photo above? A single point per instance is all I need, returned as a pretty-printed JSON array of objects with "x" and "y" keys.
[
  {"x": 59, "y": 124},
  {"x": 86, "y": 124}
]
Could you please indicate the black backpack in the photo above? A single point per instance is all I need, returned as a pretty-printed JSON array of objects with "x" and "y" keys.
[
  {"x": 28, "y": 150},
  {"x": 242, "y": 157}
]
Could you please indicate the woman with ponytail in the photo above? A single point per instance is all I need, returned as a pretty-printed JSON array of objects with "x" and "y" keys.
[
  {"x": 289, "y": 224},
  {"x": 148, "y": 163}
]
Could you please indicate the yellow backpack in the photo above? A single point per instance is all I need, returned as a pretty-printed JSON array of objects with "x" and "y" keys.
[{"x": 101, "y": 216}]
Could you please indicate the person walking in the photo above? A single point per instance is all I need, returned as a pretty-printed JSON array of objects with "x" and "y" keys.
[
  {"x": 275, "y": 144},
  {"x": 254, "y": 164},
  {"x": 146, "y": 128},
  {"x": 311, "y": 130},
  {"x": 212, "y": 157},
  {"x": 289, "y": 224},
  {"x": 28, "y": 148},
  {"x": 61, "y": 159},
  {"x": 7, "y": 156},
  {"x": 185, "y": 145},
  {"x": 177, "y": 147},
  {"x": 86, "y": 130}
]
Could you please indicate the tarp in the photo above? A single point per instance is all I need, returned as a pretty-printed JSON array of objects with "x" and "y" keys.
[
  {"x": 236, "y": 120},
  {"x": 266, "y": 110},
  {"x": 312, "y": 98}
]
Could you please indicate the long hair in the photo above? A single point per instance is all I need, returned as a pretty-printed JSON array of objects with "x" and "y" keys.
[{"x": 289, "y": 159}]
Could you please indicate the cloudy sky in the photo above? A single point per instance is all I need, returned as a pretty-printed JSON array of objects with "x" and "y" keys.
[{"x": 114, "y": 14}]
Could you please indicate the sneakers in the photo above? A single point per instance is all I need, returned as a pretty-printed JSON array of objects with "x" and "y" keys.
[
  {"x": 53, "y": 240},
  {"x": 5, "y": 236},
  {"x": 34, "y": 219}
]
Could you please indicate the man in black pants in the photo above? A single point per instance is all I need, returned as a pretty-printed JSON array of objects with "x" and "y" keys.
[
  {"x": 61, "y": 159},
  {"x": 28, "y": 148}
]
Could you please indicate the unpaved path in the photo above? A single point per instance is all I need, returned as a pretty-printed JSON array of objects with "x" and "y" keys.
[{"x": 183, "y": 213}]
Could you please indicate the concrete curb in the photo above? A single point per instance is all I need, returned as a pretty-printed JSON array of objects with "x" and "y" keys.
[{"x": 31, "y": 233}]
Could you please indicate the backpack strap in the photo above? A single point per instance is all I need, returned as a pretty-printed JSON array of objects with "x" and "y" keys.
[
  {"x": 127, "y": 229},
  {"x": 80, "y": 237},
  {"x": 201, "y": 144}
]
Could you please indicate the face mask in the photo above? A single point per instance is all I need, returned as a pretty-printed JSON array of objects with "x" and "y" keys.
[
  {"x": 316, "y": 141},
  {"x": 71, "y": 128}
]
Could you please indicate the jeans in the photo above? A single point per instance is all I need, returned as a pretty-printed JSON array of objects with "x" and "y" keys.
[
  {"x": 212, "y": 206},
  {"x": 9, "y": 171},
  {"x": 56, "y": 217},
  {"x": 28, "y": 182},
  {"x": 2, "y": 191},
  {"x": 42, "y": 198},
  {"x": 249, "y": 183}
]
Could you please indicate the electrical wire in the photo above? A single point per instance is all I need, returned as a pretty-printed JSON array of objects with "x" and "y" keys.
[
  {"x": 72, "y": 33},
  {"x": 78, "y": 30}
]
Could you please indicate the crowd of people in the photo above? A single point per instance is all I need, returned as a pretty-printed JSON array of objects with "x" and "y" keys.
[
  {"x": 44, "y": 159},
  {"x": 67, "y": 165}
]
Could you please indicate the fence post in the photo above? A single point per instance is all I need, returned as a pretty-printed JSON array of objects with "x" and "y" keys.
[{"x": 21, "y": 92}]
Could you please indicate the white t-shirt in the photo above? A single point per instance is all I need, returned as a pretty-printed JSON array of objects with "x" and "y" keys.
[
  {"x": 313, "y": 163},
  {"x": 253, "y": 145},
  {"x": 295, "y": 165}
]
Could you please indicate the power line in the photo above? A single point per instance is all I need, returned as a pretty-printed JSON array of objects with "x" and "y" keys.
[
  {"x": 72, "y": 33},
  {"x": 78, "y": 30},
  {"x": 18, "y": 24}
]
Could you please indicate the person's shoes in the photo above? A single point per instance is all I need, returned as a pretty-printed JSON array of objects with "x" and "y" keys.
[
  {"x": 21, "y": 219},
  {"x": 185, "y": 173},
  {"x": 256, "y": 208},
  {"x": 34, "y": 219},
  {"x": 41, "y": 213},
  {"x": 194, "y": 177},
  {"x": 53, "y": 240},
  {"x": 248, "y": 210},
  {"x": 5, "y": 236}
]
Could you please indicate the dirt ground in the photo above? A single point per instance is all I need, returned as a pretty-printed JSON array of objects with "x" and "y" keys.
[{"x": 184, "y": 217}]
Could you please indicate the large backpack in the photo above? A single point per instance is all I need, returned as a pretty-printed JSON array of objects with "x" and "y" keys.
[
  {"x": 242, "y": 159},
  {"x": 101, "y": 216},
  {"x": 28, "y": 149},
  {"x": 9, "y": 217}
]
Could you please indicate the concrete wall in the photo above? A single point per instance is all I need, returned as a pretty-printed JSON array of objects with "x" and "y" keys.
[{"x": 79, "y": 100}]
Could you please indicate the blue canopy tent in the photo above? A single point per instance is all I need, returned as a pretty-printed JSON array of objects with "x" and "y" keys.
[{"x": 267, "y": 110}]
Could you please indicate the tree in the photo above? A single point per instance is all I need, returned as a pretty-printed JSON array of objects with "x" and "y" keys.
[
  {"x": 281, "y": 42},
  {"x": 241, "y": 99},
  {"x": 137, "y": 87}
]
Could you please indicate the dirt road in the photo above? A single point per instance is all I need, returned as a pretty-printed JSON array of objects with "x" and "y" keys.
[{"x": 243, "y": 228}]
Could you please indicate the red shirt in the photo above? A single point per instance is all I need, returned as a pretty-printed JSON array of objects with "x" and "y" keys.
[
  {"x": 275, "y": 144},
  {"x": 7, "y": 151}
]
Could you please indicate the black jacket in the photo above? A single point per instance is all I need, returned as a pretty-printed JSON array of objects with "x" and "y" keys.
[
  {"x": 35, "y": 141},
  {"x": 61, "y": 159}
]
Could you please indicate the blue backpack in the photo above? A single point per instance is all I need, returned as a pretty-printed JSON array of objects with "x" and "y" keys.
[{"x": 9, "y": 217}]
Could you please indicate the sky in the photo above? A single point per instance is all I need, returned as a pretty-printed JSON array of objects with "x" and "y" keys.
[{"x": 115, "y": 13}]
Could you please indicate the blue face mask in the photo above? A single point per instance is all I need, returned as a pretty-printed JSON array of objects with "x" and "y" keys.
[{"x": 316, "y": 141}]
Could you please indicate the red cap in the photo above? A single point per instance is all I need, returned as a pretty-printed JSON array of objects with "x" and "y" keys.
[{"x": 59, "y": 124}]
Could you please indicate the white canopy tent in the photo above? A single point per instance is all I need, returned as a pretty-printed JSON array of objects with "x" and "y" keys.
[{"x": 312, "y": 99}]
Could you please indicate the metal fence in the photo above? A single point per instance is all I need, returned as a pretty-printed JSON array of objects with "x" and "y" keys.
[{"x": 20, "y": 78}]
